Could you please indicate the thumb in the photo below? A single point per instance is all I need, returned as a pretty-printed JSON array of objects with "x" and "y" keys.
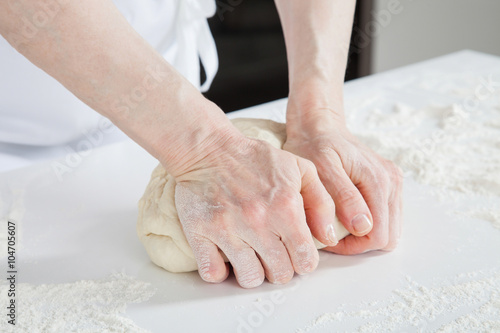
[
  {"x": 318, "y": 204},
  {"x": 351, "y": 208}
]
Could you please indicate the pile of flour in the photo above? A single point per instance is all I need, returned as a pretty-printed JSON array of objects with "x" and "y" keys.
[
  {"x": 473, "y": 299},
  {"x": 82, "y": 306},
  {"x": 453, "y": 149}
]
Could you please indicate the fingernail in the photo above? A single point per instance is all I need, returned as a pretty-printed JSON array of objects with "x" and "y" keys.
[
  {"x": 330, "y": 234},
  {"x": 361, "y": 223}
]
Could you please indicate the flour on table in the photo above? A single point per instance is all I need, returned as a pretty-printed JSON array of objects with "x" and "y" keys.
[
  {"x": 491, "y": 215},
  {"x": 473, "y": 299},
  {"x": 82, "y": 306},
  {"x": 158, "y": 225},
  {"x": 454, "y": 149},
  {"x": 459, "y": 157}
]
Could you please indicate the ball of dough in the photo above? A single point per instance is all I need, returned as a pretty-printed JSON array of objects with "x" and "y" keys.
[{"x": 158, "y": 225}]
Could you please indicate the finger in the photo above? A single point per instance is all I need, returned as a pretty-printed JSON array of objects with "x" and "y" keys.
[
  {"x": 378, "y": 237},
  {"x": 400, "y": 216},
  {"x": 395, "y": 208},
  {"x": 246, "y": 266},
  {"x": 318, "y": 204},
  {"x": 211, "y": 265},
  {"x": 400, "y": 203},
  {"x": 276, "y": 262},
  {"x": 351, "y": 208},
  {"x": 394, "y": 227},
  {"x": 298, "y": 240},
  {"x": 303, "y": 254}
]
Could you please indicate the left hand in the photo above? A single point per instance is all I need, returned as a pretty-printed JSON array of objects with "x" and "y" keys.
[{"x": 365, "y": 187}]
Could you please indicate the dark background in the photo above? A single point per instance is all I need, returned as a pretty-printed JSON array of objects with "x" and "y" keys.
[{"x": 252, "y": 54}]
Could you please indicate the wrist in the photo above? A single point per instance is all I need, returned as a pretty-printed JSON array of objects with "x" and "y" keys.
[
  {"x": 316, "y": 94},
  {"x": 187, "y": 149},
  {"x": 315, "y": 107}
]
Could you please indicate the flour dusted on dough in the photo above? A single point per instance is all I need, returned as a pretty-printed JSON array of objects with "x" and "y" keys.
[{"x": 158, "y": 225}]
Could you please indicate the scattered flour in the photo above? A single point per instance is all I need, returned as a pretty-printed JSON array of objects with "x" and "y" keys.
[
  {"x": 453, "y": 148},
  {"x": 82, "y": 306},
  {"x": 459, "y": 157},
  {"x": 487, "y": 214},
  {"x": 461, "y": 154},
  {"x": 473, "y": 299}
]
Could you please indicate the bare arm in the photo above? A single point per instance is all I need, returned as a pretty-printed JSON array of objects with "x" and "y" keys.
[
  {"x": 317, "y": 35},
  {"x": 234, "y": 194},
  {"x": 365, "y": 187},
  {"x": 91, "y": 49}
]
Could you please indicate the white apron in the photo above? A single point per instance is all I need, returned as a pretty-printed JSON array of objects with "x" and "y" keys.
[{"x": 36, "y": 110}]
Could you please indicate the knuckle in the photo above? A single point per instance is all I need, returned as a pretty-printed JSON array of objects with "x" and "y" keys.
[
  {"x": 245, "y": 257},
  {"x": 291, "y": 201},
  {"x": 278, "y": 265},
  {"x": 325, "y": 147},
  {"x": 382, "y": 176},
  {"x": 208, "y": 271},
  {"x": 207, "y": 231},
  {"x": 281, "y": 276},
  {"x": 395, "y": 174},
  {"x": 249, "y": 277},
  {"x": 310, "y": 165},
  {"x": 197, "y": 242},
  {"x": 205, "y": 269},
  {"x": 391, "y": 246},
  {"x": 380, "y": 242},
  {"x": 379, "y": 177},
  {"x": 307, "y": 259},
  {"x": 346, "y": 196},
  {"x": 235, "y": 250},
  {"x": 307, "y": 166},
  {"x": 250, "y": 281},
  {"x": 372, "y": 170},
  {"x": 255, "y": 210},
  {"x": 392, "y": 243}
]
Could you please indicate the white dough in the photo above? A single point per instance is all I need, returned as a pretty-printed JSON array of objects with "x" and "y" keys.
[{"x": 158, "y": 225}]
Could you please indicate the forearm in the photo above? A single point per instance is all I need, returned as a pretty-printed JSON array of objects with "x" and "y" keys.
[
  {"x": 91, "y": 49},
  {"x": 366, "y": 189},
  {"x": 317, "y": 35}
]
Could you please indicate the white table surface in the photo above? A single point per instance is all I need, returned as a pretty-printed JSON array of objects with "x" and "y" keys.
[{"x": 83, "y": 227}]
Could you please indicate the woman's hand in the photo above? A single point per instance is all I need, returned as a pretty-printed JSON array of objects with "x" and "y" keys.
[
  {"x": 366, "y": 188},
  {"x": 250, "y": 201}
]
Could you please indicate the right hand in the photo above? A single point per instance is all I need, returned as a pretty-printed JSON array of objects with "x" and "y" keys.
[{"x": 251, "y": 201}]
